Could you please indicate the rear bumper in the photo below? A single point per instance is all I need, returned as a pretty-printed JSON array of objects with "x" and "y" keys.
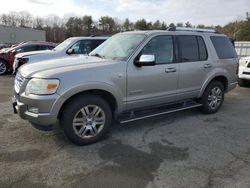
[{"x": 232, "y": 86}]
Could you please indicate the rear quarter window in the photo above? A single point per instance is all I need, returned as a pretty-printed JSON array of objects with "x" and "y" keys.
[{"x": 224, "y": 47}]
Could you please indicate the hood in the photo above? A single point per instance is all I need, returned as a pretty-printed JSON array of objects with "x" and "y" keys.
[
  {"x": 34, "y": 53},
  {"x": 61, "y": 65}
]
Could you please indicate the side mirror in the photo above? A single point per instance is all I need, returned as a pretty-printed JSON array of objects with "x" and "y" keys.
[
  {"x": 145, "y": 60},
  {"x": 71, "y": 51}
]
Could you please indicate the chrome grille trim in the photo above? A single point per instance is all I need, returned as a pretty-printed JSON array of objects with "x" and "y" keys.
[{"x": 19, "y": 79}]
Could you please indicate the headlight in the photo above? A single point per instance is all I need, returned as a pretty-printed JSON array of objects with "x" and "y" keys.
[{"x": 42, "y": 86}]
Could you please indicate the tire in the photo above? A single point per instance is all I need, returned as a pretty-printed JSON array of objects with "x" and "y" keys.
[
  {"x": 3, "y": 67},
  {"x": 86, "y": 119},
  {"x": 212, "y": 98},
  {"x": 242, "y": 83}
]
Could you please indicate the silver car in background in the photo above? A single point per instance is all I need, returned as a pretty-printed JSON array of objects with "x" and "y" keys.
[{"x": 71, "y": 46}]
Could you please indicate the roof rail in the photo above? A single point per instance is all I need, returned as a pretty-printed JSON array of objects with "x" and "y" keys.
[{"x": 191, "y": 29}]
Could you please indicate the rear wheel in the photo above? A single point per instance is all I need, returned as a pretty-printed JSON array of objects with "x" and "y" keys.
[
  {"x": 86, "y": 119},
  {"x": 3, "y": 67},
  {"x": 212, "y": 98}
]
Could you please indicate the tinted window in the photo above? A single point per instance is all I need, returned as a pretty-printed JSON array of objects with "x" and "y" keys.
[
  {"x": 88, "y": 45},
  {"x": 202, "y": 49},
  {"x": 162, "y": 48},
  {"x": 188, "y": 46},
  {"x": 85, "y": 46},
  {"x": 44, "y": 47},
  {"x": 26, "y": 48},
  {"x": 223, "y": 47},
  {"x": 96, "y": 43}
]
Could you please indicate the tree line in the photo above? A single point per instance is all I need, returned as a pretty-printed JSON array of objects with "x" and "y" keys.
[{"x": 58, "y": 29}]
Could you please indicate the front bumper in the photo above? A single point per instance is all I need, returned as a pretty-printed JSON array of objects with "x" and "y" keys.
[
  {"x": 244, "y": 73},
  {"x": 47, "y": 108}
]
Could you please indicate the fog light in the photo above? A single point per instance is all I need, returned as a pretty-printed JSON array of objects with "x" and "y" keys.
[{"x": 33, "y": 110}]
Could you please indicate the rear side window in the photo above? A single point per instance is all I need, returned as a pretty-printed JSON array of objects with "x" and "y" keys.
[
  {"x": 224, "y": 47},
  {"x": 188, "y": 47}
]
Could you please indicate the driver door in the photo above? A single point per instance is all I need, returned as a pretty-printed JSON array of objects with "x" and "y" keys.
[{"x": 157, "y": 84}]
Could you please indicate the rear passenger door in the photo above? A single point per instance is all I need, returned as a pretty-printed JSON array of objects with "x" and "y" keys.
[{"x": 194, "y": 65}]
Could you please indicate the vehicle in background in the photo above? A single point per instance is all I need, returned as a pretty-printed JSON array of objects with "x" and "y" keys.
[
  {"x": 4, "y": 46},
  {"x": 131, "y": 76},
  {"x": 7, "y": 57},
  {"x": 71, "y": 46},
  {"x": 243, "y": 51},
  {"x": 244, "y": 72}
]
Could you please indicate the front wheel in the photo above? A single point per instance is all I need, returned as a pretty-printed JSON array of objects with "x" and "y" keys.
[
  {"x": 86, "y": 119},
  {"x": 212, "y": 97}
]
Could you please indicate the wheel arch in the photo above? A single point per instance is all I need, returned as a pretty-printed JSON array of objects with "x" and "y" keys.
[
  {"x": 106, "y": 95},
  {"x": 220, "y": 77}
]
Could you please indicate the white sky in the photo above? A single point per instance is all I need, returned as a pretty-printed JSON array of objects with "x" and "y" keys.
[{"x": 208, "y": 12}]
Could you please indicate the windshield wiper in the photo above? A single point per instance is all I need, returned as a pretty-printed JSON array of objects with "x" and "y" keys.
[{"x": 98, "y": 55}]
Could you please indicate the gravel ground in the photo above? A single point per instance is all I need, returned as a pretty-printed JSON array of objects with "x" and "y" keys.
[{"x": 180, "y": 150}]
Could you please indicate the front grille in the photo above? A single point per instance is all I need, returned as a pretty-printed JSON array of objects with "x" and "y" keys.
[
  {"x": 248, "y": 73},
  {"x": 18, "y": 82}
]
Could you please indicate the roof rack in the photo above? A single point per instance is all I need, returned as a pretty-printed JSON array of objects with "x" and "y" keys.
[{"x": 191, "y": 29}]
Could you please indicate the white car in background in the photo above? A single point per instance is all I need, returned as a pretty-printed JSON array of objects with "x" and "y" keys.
[
  {"x": 71, "y": 46},
  {"x": 244, "y": 71}
]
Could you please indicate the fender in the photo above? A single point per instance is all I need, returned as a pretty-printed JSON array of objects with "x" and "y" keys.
[{"x": 86, "y": 87}]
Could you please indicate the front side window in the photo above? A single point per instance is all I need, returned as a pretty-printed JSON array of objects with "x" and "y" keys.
[
  {"x": 161, "y": 47},
  {"x": 63, "y": 45},
  {"x": 84, "y": 46},
  {"x": 118, "y": 47},
  {"x": 76, "y": 48}
]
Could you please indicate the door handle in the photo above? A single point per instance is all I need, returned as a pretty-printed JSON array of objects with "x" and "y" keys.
[
  {"x": 169, "y": 70},
  {"x": 207, "y": 66}
]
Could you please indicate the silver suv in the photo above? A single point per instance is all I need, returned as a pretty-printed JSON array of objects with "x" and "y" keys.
[{"x": 132, "y": 75}]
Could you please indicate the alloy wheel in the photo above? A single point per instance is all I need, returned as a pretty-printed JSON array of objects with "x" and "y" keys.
[
  {"x": 3, "y": 67},
  {"x": 215, "y": 98},
  {"x": 89, "y": 121}
]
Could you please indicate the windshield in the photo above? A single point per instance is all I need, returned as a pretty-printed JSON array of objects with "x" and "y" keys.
[
  {"x": 118, "y": 47},
  {"x": 63, "y": 45}
]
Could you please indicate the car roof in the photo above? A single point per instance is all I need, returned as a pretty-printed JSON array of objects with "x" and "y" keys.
[
  {"x": 91, "y": 37},
  {"x": 35, "y": 43}
]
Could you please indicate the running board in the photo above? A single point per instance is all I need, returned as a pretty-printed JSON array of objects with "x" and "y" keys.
[{"x": 138, "y": 115}]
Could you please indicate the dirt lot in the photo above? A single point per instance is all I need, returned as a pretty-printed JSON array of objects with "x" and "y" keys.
[{"x": 186, "y": 149}]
